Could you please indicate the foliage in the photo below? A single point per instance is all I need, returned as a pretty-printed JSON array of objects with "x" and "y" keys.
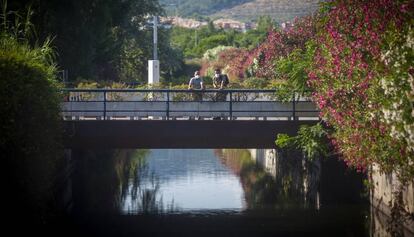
[
  {"x": 103, "y": 39},
  {"x": 233, "y": 62},
  {"x": 209, "y": 42},
  {"x": 280, "y": 43},
  {"x": 225, "y": 49},
  {"x": 265, "y": 24},
  {"x": 311, "y": 140},
  {"x": 212, "y": 54},
  {"x": 356, "y": 57},
  {"x": 229, "y": 61},
  {"x": 182, "y": 76},
  {"x": 30, "y": 128},
  {"x": 276, "y": 57},
  {"x": 253, "y": 82},
  {"x": 195, "y": 42},
  {"x": 293, "y": 69},
  {"x": 349, "y": 77},
  {"x": 398, "y": 86},
  {"x": 88, "y": 85}
]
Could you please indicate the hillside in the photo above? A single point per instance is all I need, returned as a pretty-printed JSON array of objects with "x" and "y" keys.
[
  {"x": 279, "y": 10},
  {"x": 198, "y": 8},
  {"x": 241, "y": 10}
]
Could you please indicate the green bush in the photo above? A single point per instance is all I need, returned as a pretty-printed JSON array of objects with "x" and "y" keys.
[
  {"x": 311, "y": 140},
  {"x": 30, "y": 126},
  {"x": 211, "y": 42}
]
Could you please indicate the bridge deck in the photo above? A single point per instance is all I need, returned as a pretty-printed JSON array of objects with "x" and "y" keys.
[
  {"x": 132, "y": 118},
  {"x": 131, "y": 104}
]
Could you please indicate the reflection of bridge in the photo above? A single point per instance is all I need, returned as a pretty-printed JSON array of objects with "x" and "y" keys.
[{"x": 129, "y": 118}]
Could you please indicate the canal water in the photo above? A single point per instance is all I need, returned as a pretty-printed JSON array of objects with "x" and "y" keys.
[{"x": 205, "y": 192}]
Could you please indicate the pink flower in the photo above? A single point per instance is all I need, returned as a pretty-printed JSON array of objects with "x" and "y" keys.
[{"x": 404, "y": 8}]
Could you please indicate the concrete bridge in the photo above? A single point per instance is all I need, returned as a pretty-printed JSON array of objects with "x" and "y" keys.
[{"x": 129, "y": 118}]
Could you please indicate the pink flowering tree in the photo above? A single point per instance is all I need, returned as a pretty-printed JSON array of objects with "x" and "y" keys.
[
  {"x": 230, "y": 60},
  {"x": 262, "y": 62},
  {"x": 362, "y": 85},
  {"x": 279, "y": 44}
]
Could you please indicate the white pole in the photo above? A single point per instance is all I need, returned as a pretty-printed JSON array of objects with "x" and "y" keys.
[
  {"x": 154, "y": 65},
  {"x": 155, "y": 38}
]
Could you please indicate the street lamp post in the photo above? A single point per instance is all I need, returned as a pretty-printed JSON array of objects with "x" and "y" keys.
[
  {"x": 155, "y": 36},
  {"x": 154, "y": 65}
]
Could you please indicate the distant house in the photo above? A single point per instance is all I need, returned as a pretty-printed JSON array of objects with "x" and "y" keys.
[
  {"x": 286, "y": 25},
  {"x": 233, "y": 24},
  {"x": 220, "y": 23},
  {"x": 183, "y": 22}
]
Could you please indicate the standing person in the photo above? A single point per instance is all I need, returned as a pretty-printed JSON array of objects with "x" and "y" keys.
[
  {"x": 220, "y": 81},
  {"x": 196, "y": 83}
]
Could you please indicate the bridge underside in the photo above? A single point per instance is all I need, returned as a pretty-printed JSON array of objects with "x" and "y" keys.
[{"x": 176, "y": 134}]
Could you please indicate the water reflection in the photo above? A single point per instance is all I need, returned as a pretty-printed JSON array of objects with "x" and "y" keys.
[
  {"x": 183, "y": 180},
  {"x": 141, "y": 194},
  {"x": 101, "y": 178},
  {"x": 211, "y": 193},
  {"x": 290, "y": 181}
]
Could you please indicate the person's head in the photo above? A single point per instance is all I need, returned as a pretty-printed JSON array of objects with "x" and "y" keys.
[
  {"x": 197, "y": 73},
  {"x": 217, "y": 71}
]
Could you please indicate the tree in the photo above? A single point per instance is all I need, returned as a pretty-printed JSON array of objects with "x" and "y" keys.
[
  {"x": 30, "y": 141},
  {"x": 265, "y": 24},
  {"x": 98, "y": 39}
]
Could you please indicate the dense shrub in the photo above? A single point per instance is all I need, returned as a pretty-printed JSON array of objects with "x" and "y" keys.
[
  {"x": 361, "y": 78},
  {"x": 29, "y": 126}
]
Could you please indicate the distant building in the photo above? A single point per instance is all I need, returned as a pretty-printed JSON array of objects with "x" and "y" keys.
[
  {"x": 220, "y": 23},
  {"x": 286, "y": 25},
  {"x": 183, "y": 22},
  {"x": 233, "y": 24}
]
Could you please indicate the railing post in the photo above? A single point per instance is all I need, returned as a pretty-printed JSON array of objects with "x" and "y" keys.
[
  {"x": 231, "y": 105},
  {"x": 104, "y": 112},
  {"x": 294, "y": 107},
  {"x": 168, "y": 105}
]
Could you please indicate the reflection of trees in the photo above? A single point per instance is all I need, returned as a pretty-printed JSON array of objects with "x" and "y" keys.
[
  {"x": 106, "y": 180},
  {"x": 131, "y": 172},
  {"x": 291, "y": 186},
  {"x": 143, "y": 191},
  {"x": 299, "y": 175},
  {"x": 260, "y": 189},
  {"x": 101, "y": 178}
]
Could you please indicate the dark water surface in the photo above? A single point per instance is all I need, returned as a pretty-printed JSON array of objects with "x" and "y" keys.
[{"x": 201, "y": 192}]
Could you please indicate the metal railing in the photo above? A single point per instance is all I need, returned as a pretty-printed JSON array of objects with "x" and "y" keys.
[{"x": 175, "y": 103}]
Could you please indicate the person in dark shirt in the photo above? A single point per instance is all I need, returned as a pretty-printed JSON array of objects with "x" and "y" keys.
[
  {"x": 220, "y": 81},
  {"x": 196, "y": 83}
]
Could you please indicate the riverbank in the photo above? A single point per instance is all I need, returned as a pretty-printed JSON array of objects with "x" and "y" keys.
[{"x": 382, "y": 194}]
